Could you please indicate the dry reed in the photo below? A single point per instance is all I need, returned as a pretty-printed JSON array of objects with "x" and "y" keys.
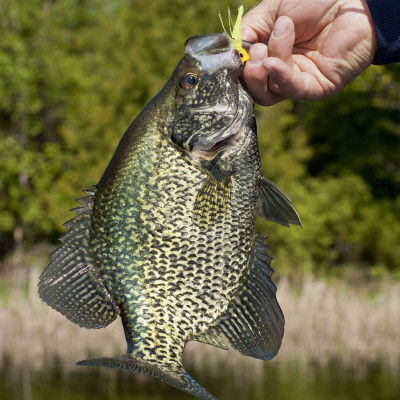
[{"x": 325, "y": 321}]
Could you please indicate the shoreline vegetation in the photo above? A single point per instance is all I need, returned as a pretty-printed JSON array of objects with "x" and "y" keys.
[
  {"x": 327, "y": 321},
  {"x": 73, "y": 75}
]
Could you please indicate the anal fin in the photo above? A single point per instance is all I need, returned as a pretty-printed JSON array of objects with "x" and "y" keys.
[
  {"x": 212, "y": 337},
  {"x": 254, "y": 322}
]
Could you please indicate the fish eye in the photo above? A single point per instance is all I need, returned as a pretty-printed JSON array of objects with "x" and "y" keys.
[{"x": 188, "y": 80}]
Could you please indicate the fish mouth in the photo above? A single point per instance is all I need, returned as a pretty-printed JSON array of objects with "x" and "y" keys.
[
  {"x": 227, "y": 140},
  {"x": 221, "y": 144},
  {"x": 215, "y": 51},
  {"x": 211, "y": 43},
  {"x": 222, "y": 139}
]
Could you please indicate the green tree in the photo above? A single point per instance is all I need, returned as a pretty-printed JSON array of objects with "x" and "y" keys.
[
  {"x": 345, "y": 184},
  {"x": 358, "y": 131},
  {"x": 73, "y": 75},
  {"x": 37, "y": 74}
]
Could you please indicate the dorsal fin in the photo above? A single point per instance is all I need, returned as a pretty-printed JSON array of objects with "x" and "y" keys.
[
  {"x": 274, "y": 205},
  {"x": 72, "y": 284},
  {"x": 254, "y": 322}
]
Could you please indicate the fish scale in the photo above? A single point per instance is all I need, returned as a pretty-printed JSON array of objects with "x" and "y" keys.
[
  {"x": 204, "y": 243},
  {"x": 166, "y": 239}
]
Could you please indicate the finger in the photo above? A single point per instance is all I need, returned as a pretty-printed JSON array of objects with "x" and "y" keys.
[
  {"x": 285, "y": 78},
  {"x": 256, "y": 76},
  {"x": 281, "y": 42},
  {"x": 292, "y": 83},
  {"x": 257, "y": 23}
]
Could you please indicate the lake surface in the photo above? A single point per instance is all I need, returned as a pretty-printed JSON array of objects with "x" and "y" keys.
[{"x": 328, "y": 383}]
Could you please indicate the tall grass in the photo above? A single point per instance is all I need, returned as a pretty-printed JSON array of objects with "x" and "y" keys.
[{"x": 325, "y": 321}]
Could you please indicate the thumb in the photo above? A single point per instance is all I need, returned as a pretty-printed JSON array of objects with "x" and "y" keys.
[{"x": 258, "y": 23}]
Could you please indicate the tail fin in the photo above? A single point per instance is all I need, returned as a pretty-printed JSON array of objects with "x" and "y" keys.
[{"x": 173, "y": 374}]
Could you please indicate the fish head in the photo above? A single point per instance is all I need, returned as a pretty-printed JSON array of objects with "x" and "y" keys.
[{"x": 211, "y": 106}]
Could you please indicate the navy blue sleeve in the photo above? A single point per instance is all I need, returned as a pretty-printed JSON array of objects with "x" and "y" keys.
[{"x": 386, "y": 17}]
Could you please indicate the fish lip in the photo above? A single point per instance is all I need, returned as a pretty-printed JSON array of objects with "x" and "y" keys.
[
  {"x": 212, "y": 43},
  {"x": 214, "y": 51}
]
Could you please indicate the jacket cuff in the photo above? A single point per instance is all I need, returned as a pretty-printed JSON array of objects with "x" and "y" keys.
[{"x": 386, "y": 18}]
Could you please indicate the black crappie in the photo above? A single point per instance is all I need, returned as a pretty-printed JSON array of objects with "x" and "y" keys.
[{"x": 166, "y": 238}]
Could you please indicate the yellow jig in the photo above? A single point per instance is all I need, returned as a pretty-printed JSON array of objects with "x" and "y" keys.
[{"x": 235, "y": 35}]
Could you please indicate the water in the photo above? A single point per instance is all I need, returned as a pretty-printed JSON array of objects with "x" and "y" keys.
[{"x": 328, "y": 383}]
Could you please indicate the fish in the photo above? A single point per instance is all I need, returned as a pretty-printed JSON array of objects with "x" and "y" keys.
[{"x": 166, "y": 239}]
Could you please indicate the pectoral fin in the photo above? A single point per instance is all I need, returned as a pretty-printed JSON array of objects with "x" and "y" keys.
[
  {"x": 214, "y": 194},
  {"x": 275, "y": 206}
]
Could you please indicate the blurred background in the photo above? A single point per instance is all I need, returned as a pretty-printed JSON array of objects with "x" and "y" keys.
[{"x": 73, "y": 75}]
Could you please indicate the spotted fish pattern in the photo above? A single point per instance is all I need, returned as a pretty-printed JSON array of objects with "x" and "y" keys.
[{"x": 166, "y": 239}]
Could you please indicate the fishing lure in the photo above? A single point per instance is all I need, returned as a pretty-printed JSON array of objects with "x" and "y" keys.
[{"x": 235, "y": 36}]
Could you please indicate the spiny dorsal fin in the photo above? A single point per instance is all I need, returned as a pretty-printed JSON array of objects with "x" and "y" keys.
[
  {"x": 274, "y": 205},
  {"x": 254, "y": 322},
  {"x": 71, "y": 284}
]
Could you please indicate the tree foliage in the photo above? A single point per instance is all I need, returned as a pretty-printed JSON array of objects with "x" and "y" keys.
[
  {"x": 339, "y": 161},
  {"x": 38, "y": 72},
  {"x": 358, "y": 131},
  {"x": 74, "y": 74}
]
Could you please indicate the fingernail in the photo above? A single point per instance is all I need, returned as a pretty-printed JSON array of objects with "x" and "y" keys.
[
  {"x": 280, "y": 28},
  {"x": 257, "y": 54}
]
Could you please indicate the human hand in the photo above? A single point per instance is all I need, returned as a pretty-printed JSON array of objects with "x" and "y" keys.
[{"x": 315, "y": 47}]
